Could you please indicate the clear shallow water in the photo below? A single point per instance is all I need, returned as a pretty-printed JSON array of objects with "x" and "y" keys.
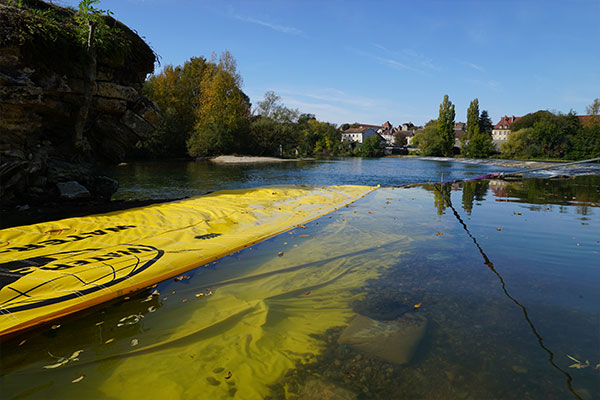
[{"x": 506, "y": 277}]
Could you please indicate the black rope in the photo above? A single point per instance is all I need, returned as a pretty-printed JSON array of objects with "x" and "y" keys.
[{"x": 490, "y": 265}]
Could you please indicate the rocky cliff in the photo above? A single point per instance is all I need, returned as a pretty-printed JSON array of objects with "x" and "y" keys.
[{"x": 44, "y": 70}]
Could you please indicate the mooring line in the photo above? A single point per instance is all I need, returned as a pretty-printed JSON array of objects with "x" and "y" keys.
[{"x": 488, "y": 263}]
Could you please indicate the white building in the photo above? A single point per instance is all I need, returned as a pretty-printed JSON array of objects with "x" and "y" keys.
[{"x": 358, "y": 134}]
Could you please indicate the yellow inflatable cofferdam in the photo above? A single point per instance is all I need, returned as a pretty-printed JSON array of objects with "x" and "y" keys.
[{"x": 52, "y": 269}]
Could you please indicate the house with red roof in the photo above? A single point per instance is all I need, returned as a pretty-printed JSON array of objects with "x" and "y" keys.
[{"x": 501, "y": 130}]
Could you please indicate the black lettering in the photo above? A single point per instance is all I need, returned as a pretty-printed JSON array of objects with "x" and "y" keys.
[
  {"x": 54, "y": 242},
  {"x": 82, "y": 262},
  {"x": 101, "y": 259},
  {"x": 76, "y": 238},
  {"x": 95, "y": 233},
  {"x": 133, "y": 250},
  {"x": 28, "y": 247},
  {"x": 57, "y": 267}
]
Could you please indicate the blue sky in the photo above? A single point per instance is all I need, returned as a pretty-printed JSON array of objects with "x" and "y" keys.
[{"x": 372, "y": 61}]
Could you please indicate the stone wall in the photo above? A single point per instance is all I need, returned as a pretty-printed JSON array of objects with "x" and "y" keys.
[{"x": 40, "y": 99}]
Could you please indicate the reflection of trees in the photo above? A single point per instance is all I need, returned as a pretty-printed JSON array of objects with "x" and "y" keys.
[
  {"x": 473, "y": 190},
  {"x": 581, "y": 191},
  {"x": 438, "y": 198}
]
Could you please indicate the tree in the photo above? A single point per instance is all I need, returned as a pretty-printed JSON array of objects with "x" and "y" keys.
[
  {"x": 372, "y": 147},
  {"x": 89, "y": 20},
  {"x": 222, "y": 123},
  {"x": 429, "y": 141},
  {"x": 485, "y": 123},
  {"x": 177, "y": 92},
  {"x": 272, "y": 107},
  {"x": 472, "y": 128},
  {"x": 400, "y": 139},
  {"x": 445, "y": 127}
]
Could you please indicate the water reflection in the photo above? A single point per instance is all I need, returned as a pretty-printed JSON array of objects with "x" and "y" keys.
[{"x": 444, "y": 195}]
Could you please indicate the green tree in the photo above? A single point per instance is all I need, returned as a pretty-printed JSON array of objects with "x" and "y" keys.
[
  {"x": 517, "y": 144},
  {"x": 372, "y": 147},
  {"x": 472, "y": 128},
  {"x": 429, "y": 141},
  {"x": 400, "y": 139},
  {"x": 177, "y": 92},
  {"x": 222, "y": 116},
  {"x": 485, "y": 123},
  {"x": 445, "y": 127}
]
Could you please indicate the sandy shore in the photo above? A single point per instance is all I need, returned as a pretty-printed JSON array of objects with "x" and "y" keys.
[{"x": 250, "y": 159}]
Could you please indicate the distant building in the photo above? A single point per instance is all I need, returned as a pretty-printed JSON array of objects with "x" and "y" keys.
[
  {"x": 460, "y": 128},
  {"x": 358, "y": 135},
  {"x": 501, "y": 130}
]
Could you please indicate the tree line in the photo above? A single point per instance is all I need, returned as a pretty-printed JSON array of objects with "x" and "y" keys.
[
  {"x": 206, "y": 113},
  {"x": 541, "y": 134}
]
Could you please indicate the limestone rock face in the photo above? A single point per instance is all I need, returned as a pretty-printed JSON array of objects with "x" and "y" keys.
[
  {"x": 394, "y": 341},
  {"x": 40, "y": 100}
]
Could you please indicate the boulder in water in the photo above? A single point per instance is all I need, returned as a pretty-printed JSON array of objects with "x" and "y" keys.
[{"x": 394, "y": 341}]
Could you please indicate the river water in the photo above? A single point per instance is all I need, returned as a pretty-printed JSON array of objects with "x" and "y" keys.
[{"x": 484, "y": 289}]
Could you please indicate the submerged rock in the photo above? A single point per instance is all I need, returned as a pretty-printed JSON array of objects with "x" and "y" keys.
[
  {"x": 394, "y": 341},
  {"x": 318, "y": 389}
]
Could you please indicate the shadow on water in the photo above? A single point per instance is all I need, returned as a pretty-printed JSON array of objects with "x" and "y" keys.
[{"x": 443, "y": 192}]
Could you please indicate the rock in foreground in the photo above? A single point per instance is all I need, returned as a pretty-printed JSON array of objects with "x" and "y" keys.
[{"x": 394, "y": 341}]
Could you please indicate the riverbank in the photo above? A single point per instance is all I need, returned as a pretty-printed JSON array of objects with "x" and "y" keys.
[{"x": 230, "y": 159}]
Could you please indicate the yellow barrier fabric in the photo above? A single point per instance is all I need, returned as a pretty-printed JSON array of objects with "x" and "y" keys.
[{"x": 52, "y": 269}]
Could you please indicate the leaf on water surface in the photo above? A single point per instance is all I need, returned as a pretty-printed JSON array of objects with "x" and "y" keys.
[
  {"x": 498, "y": 229},
  {"x": 155, "y": 293},
  {"x": 75, "y": 355},
  {"x": 78, "y": 379},
  {"x": 109, "y": 341},
  {"x": 58, "y": 364},
  {"x": 417, "y": 305},
  {"x": 149, "y": 298},
  {"x": 55, "y": 326},
  {"x": 22, "y": 342},
  {"x": 99, "y": 323},
  {"x": 304, "y": 235},
  {"x": 284, "y": 243},
  {"x": 574, "y": 359},
  {"x": 438, "y": 234},
  {"x": 280, "y": 254},
  {"x": 229, "y": 375},
  {"x": 307, "y": 293},
  {"x": 151, "y": 309},
  {"x": 302, "y": 226},
  {"x": 134, "y": 342},
  {"x": 199, "y": 295}
]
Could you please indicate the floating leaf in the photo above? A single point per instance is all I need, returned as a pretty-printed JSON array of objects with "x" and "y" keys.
[
  {"x": 229, "y": 375},
  {"x": 210, "y": 293},
  {"x": 302, "y": 226},
  {"x": 22, "y": 342},
  {"x": 78, "y": 379},
  {"x": 134, "y": 342},
  {"x": 417, "y": 305},
  {"x": 199, "y": 295},
  {"x": 574, "y": 359},
  {"x": 184, "y": 301},
  {"x": 55, "y": 326},
  {"x": 151, "y": 309},
  {"x": 75, "y": 355},
  {"x": 370, "y": 212},
  {"x": 304, "y": 235},
  {"x": 59, "y": 364},
  {"x": 155, "y": 293},
  {"x": 99, "y": 323},
  {"x": 498, "y": 229},
  {"x": 284, "y": 243},
  {"x": 109, "y": 341},
  {"x": 280, "y": 254},
  {"x": 307, "y": 293},
  {"x": 149, "y": 298},
  {"x": 438, "y": 234}
]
